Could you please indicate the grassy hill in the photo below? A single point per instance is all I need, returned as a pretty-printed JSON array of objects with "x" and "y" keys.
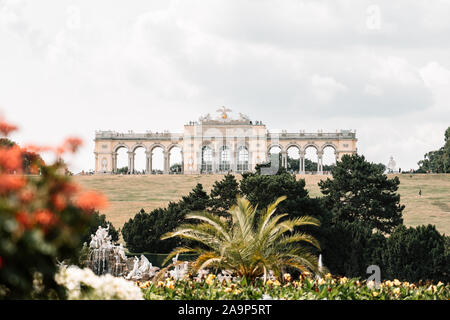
[{"x": 128, "y": 194}]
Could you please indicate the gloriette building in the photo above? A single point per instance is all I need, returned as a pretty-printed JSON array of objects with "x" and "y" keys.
[{"x": 218, "y": 145}]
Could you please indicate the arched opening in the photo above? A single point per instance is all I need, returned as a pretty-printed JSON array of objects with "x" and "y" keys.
[
  {"x": 328, "y": 159},
  {"x": 175, "y": 160},
  {"x": 206, "y": 165},
  {"x": 224, "y": 159},
  {"x": 311, "y": 159},
  {"x": 273, "y": 151},
  {"x": 242, "y": 159},
  {"x": 121, "y": 161},
  {"x": 139, "y": 160},
  {"x": 293, "y": 159},
  {"x": 157, "y": 160}
]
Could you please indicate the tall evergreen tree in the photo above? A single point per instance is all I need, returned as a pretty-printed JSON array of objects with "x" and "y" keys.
[
  {"x": 223, "y": 195},
  {"x": 361, "y": 191}
]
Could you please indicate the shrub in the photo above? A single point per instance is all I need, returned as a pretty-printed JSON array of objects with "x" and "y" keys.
[
  {"x": 414, "y": 254},
  {"x": 348, "y": 248},
  {"x": 42, "y": 219}
]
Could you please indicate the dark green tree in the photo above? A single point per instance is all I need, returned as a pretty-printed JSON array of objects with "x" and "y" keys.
[
  {"x": 223, "y": 195},
  {"x": 348, "y": 248},
  {"x": 175, "y": 168},
  {"x": 360, "y": 191},
  {"x": 414, "y": 254},
  {"x": 143, "y": 232},
  {"x": 123, "y": 170},
  {"x": 262, "y": 190},
  {"x": 439, "y": 160}
]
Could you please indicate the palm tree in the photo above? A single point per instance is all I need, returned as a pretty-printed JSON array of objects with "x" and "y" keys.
[{"x": 249, "y": 244}]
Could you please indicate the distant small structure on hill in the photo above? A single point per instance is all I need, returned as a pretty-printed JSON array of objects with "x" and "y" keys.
[{"x": 391, "y": 165}]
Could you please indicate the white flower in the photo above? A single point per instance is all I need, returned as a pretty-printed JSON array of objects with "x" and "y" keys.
[{"x": 103, "y": 287}]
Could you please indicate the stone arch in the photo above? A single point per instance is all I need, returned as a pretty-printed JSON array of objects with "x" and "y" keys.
[
  {"x": 293, "y": 162},
  {"x": 135, "y": 155},
  {"x": 169, "y": 152},
  {"x": 151, "y": 158},
  {"x": 115, "y": 156},
  {"x": 311, "y": 145},
  {"x": 275, "y": 145},
  {"x": 156, "y": 145},
  {"x": 174, "y": 145},
  {"x": 329, "y": 158},
  {"x": 120, "y": 145},
  {"x": 317, "y": 154},
  {"x": 329, "y": 144},
  {"x": 138, "y": 145}
]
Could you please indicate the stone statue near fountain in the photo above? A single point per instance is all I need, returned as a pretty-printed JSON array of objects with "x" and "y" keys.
[
  {"x": 142, "y": 269},
  {"x": 105, "y": 257}
]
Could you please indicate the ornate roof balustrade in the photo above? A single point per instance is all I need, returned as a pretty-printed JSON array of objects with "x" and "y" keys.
[{"x": 113, "y": 135}]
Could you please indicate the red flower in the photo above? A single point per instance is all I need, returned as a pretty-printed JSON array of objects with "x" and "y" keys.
[
  {"x": 31, "y": 148},
  {"x": 26, "y": 196},
  {"x": 72, "y": 144},
  {"x": 10, "y": 182},
  {"x": 6, "y": 128},
  {"x": 11, "y": 158},
  {"x": 59, "y": 201},
  {"x": 68, "y": 188},
  {"x": 44, "y": 217},
  {"x": 91, "y": 200},
  {"x": 24, "y": 219},
  {"x": 1, "y": 262}
]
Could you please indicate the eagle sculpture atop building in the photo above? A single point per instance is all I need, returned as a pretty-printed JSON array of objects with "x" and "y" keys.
[{"x": 223, "y": 112}]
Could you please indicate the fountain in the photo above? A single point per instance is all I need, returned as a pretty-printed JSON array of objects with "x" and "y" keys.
[{"x": 104, "y": 256}]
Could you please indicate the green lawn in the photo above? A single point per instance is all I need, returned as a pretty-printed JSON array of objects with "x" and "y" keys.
[{"x": 128, "y": 194}]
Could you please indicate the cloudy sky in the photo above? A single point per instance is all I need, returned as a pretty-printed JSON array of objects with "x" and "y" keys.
[{"x": 68, "y": 68}]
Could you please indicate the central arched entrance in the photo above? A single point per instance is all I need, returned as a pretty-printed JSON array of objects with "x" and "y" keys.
[
  {"x": 207, "y": 160},
  {"x": 224, "y": 159},
  {"x": 242, "y": 159}
]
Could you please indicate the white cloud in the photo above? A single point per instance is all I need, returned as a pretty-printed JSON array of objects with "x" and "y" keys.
[
  {"x": 155, "y": 65},
  {"x": 326, "y": 88}
]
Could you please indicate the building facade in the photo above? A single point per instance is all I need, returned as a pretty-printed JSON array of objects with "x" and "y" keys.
[{"x": 218, "y": 145}]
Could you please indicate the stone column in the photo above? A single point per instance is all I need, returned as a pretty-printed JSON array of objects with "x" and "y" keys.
[
  {"x": 319, "y": 162},
  {"x": 301, "y": 167},
  {"x": 166, "y": 162},
  {"x": 131, "y": 161},
  {"x": 96, "y": 162},
  {"x": 182, "y": 162},
  {"x": 214, "y": 161},
  {"x": 284, "y": 159},
  {"x": 148, "y": 162},
  {"x": 114, "y": 162},
  {"x": 233, "y": 160}
]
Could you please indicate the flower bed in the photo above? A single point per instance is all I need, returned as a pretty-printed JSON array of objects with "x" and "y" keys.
[{"x": 304, "y": 288}]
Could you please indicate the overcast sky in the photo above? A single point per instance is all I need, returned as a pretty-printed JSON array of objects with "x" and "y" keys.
[{"x": 68, "y": 68}]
